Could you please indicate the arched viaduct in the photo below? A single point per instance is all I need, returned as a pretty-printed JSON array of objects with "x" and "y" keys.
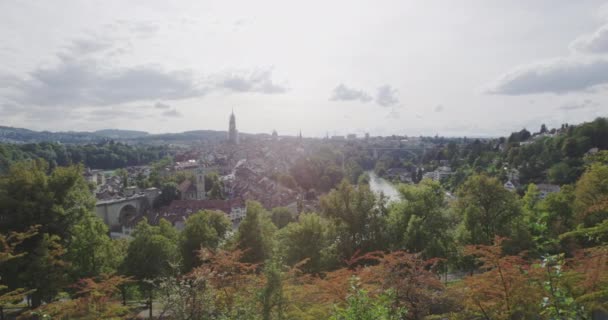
[{"x": 117, "y": 212}]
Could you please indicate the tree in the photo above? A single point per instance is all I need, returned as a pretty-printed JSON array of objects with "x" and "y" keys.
[
  {"x": 591, "y": 189},
  {"x": 272, "y": 297},
  {"x": 169, "y": 192},
  {"x": 361, "y": 306},
  {"x": 8, "y": 244},
  {"x": 204, "y": 229},
  {"x": 310, "y": 240},
  {"x": 543, "y": 128},
  {"x": 56, "y": 200},
  {"x": 255, "y": 234},
  {"x": 359, "y": 216},
  {"x": 152, "y": 251},
  {"x": 502, "y": 290},
  {"x": 487, "y": 209},
  {"x": 561, "y": 173},
  {"x": 215, "y": 185},
  {"x": 46, "y": 270},
  {"x": 281, "y": 216},
  {"x": 419, "y": 223},
  {"x": 412, "y": 280},
  {"x": 95, "y": 298},
  {"x": 124, "y": 177},
  {"x": 91, "y": 252}
]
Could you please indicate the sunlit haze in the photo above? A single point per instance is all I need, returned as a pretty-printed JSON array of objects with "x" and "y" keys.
[{"x": 453, "y": 68}]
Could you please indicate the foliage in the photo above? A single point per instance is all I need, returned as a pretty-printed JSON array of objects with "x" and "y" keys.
[
  {"x": 204, "y": 229},
  {"x": 281, "y": 216},
  {"x": 360, "y": 218},
  {"x": 255, "y": 234},
  {"x": 591, "y": 190},
  {"x": 91, "y": 251},
  {"x": 487, "y": 209},
  {"x": 151, "y": 251},
  {"x": 8, "y": 244},
  {"x": 310, "y": 239},
  {"x": 360, "y": 306},
  {"x": 104, "y": 155},
  {"x": 95, "y": 298},
  {"x": 503, "y": 289},
  {"x": 420, "y": 223}
]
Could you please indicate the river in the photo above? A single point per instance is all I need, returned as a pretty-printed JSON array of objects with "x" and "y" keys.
[{"x": 378, "y": 185}]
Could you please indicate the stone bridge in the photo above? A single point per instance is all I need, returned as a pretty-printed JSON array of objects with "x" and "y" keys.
[
  {"x": 377, "y": 151},
  {"x": 117, "y": 212}
]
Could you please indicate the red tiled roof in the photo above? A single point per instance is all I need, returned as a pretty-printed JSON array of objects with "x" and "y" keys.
[
  {"x": 197, "y": 205},
  {"x": 179, "y": 210}
]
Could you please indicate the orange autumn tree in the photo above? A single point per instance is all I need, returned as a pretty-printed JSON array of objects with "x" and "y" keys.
[
  {"x": 233, "y": 281},
  {"x": 8, "y": 244},
  {"x": 414, "y": 281},
  {"x": 506, "y": 286},
  {"x": 410, "y": 281},
  {"x": 95, "y": 298},
  {"x": 590, "y": 269}
]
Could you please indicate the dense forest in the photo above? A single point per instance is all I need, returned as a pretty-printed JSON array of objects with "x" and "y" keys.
[{"x": 105, "y": 155}]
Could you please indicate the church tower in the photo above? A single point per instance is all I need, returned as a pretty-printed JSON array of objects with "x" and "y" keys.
[
  {"x": 233, "y": 134},
  {"x": 200, "y": 183}
]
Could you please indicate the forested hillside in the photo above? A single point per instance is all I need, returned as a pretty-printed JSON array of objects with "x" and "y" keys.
[{"x": 106, "y": 155}]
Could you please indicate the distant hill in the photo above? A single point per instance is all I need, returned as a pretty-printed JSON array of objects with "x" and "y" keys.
[
  {"x": 120, "y": 134},
  {"x": 21, "y": 135}
]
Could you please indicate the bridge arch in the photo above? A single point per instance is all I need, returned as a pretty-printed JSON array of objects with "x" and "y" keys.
[{"x": 127, "y": 213}]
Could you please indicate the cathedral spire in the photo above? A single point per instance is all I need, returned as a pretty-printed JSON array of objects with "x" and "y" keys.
[{"x": 233, "y": 135}]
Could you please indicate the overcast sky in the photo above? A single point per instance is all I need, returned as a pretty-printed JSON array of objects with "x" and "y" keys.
[{"x": 385, "y": 67}]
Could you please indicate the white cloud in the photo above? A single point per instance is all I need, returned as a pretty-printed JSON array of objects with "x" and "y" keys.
[
  {"x": 596, "y": 42},
  {"x": 172, "y": 113},
  {"x": 584, "y": 104},
  {"x": 344, "y": 93},
  {"x": 259, "y": 81},
  {"x": 562, "y": 75},
  {"x": 160, "y": 105},
  {"x": 386, "y": 96}
]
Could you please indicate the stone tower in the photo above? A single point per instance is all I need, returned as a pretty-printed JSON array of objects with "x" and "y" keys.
[
  {"x": 200, "y": 183},
  {"x": 233, "y": 134}
]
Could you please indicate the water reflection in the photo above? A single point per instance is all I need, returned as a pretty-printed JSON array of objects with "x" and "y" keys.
[{"x": 378, "y": 184}]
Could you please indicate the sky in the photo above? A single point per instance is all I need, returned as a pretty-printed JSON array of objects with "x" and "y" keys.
[{"x": 452, "y": 68}]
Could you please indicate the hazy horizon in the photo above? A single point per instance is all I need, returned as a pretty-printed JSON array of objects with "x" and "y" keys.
[{"x": 473, "y": 68}]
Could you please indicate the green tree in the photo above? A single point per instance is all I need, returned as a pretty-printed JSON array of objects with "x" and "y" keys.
[
  {"x": 204, "y": 229},
  {"x": 419, "y": 223},
  {"x": 271, "y": 296},
  {"x": 215, "y": 185},
  {"x": 46, "y": 270},
  {"x": 360, "y": 305},
  {"x": 360, "y": 218},
  {"x": 310, "y": 238},
  {"x": 91, "y": 252},
  {"x": 591, "y": 190},
  {"x": 124, "y": 177},
  {"x": 487, "y": 209},
  {"x": 57, "y": 200},
  {"x": 256, "y": 234},
  {"x": 8, "y": 244},
  {"x": 152, "y": 251},
  {"x": 281, "y": 216},
  {"x": 169, "y": 192}
]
